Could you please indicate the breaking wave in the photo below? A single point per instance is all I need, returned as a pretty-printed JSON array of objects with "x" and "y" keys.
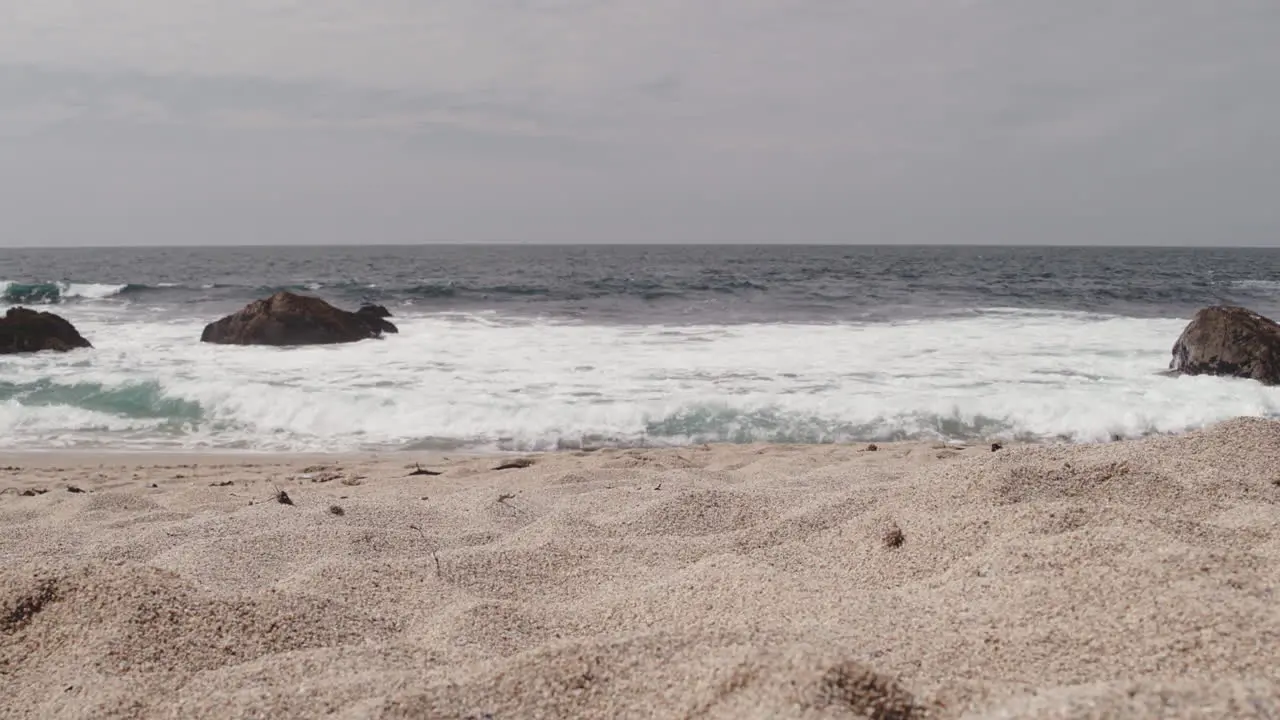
[
  {"x": 47, "y": 293},
  {"x": 463, "y": 381}
]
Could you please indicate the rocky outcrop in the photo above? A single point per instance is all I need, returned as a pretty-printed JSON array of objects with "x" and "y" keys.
[
  {"x": 287, "y": 319},
  {"x": 1230, "y": 341},
  {"x": 24, "y": 331}
]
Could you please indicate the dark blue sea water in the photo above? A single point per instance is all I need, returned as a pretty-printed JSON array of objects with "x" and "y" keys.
[
  {"x": 632, "y": 284},
  {"x": 536, "y": 347}
]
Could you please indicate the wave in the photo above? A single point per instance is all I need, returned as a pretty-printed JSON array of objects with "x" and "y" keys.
[
  {"x": 16, "y": 292},
  {"x": 1266, "y": 286},
  {"x": 382, "y": 396},
  {"x": 452, "y": 290},
  {"x": 615, "y": 295},
  {"x": 463, "y": 381},
  {"x": 129, "y": 400},
  {"x": 266, "y": 290},
  {"x": 48, "y": 293},
  {"x": 85, "y": 413},
  {"x": 151, "y": 406},
  {"x": 31, "y": 293},
  {"x": 51, "y": 293}
]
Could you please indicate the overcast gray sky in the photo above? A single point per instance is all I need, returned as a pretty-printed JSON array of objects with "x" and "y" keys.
[{"x": 872, "y": 121}]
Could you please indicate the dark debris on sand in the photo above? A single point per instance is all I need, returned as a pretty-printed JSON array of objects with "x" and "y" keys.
[
  {"x": 517, "y": 464},
  {"x": 893, "y": 537}
]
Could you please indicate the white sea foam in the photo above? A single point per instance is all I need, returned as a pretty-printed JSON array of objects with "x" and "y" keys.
[
  {"x": 497, "y": 382},
  {"x": 91, "y": 291}
]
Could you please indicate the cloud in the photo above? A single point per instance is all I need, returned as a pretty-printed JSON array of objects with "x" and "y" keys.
[
  {"x": 85, "y": 96},
  {"x": 924, "y": 120},
  {"x": 854, "y": 74}
]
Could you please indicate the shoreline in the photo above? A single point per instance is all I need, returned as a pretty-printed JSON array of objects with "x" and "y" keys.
[
  {"x": 94, "y": 457},
  {"x": 86, "y": 456}
]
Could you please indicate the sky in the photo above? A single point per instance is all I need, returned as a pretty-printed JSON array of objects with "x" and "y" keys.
[{"x": 209, "y": 122}]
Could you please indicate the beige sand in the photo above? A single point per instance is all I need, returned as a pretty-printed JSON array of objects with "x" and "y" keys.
[{"x": 1122, "y": 580}]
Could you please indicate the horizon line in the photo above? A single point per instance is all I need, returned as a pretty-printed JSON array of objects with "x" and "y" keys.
[{"x": 523, "y": 244}]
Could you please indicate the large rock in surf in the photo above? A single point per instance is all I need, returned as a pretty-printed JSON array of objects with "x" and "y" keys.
[
  {"x": 24, "y": 331},
  {"x": 289, "y": 319},
  {"x": 1232, "y": 341}
]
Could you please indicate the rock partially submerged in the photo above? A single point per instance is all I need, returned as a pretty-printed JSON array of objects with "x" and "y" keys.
[
  {"x": 287, "y": 319},
  {"x": 375, "y": 314},
  {"x": 23, "y": 331},
  {"x": 1229, "y": 341},
  {"x": 374, "y": 310}
]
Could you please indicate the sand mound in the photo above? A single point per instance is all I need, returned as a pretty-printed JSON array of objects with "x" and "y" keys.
[
  {"x": 146, "y": 630},
  {"x": 1133, "y": 579},
  {"x": 692, "y": 513},
  {"x": 666, "y": 676},
  {"x": 1173, "y": 699}
]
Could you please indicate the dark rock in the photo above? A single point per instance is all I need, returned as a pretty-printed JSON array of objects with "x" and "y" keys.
[
  {"x": 996, "y": 447},
  {"x": 288, "y": 319},
  {"x": 374, "y": 310},
  {"x": 374, "y": 315},
  {"x": 1231, "y": 341},
  {"x": 23, "y": 331}
]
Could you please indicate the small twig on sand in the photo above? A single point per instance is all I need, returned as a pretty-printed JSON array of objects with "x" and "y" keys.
[
  {"x": 73, "y": 489},
  {"x": 419, "y": 470},
  {"x": 434, "y": 556},
  {"x": 505, "y": 497}
]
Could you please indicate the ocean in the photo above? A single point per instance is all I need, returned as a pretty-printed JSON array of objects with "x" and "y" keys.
[{"x": 534, "y": 347}]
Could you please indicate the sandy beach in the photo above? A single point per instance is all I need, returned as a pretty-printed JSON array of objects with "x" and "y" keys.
[{"x": 1128, "y": 580}]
